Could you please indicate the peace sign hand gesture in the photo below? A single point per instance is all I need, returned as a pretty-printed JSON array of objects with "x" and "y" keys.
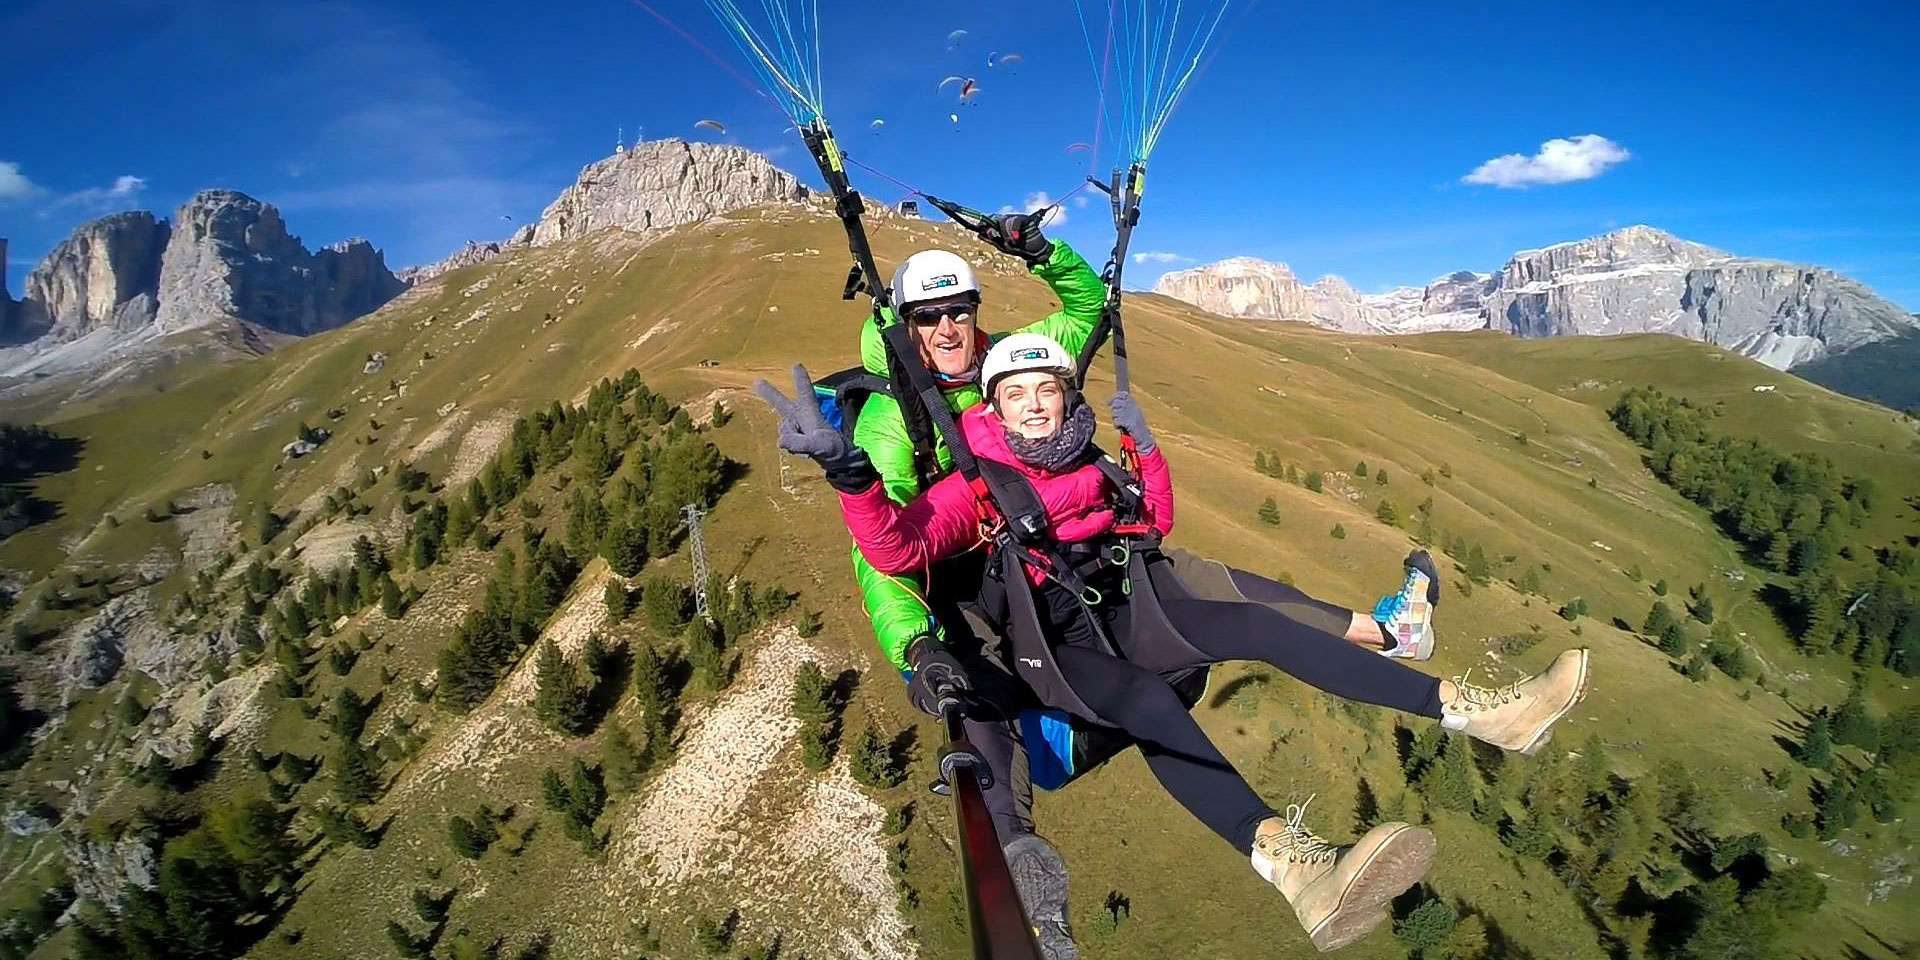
[{"x": 804, "y": 430}]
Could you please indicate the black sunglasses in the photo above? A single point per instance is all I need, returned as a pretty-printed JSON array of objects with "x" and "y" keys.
[{"x": 930, "y": 314}]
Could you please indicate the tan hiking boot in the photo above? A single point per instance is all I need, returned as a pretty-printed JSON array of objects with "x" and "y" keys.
[
  {"x": 1339, "y": 894},
  {"x": 1519, "y": 716}
]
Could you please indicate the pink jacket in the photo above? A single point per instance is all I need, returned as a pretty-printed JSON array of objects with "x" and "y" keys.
[{"x": 940, "y": 523}]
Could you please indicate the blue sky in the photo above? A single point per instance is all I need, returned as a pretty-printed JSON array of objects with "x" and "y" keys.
[{"x": 1335, "y": 140}]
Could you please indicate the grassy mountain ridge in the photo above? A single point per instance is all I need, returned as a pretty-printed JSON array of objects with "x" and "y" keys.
[{"x": 1513, "y": 434}]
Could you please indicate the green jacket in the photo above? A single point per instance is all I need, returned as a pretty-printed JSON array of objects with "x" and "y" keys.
[{"x": 893, "y": 602}]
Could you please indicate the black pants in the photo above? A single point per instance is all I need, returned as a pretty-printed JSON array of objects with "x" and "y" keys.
[{"x": 1178, "y": 752}]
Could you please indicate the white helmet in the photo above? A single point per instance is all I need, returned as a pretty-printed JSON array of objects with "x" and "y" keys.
[
  {"x": 932, "y": 275},
  {"x": 1021, "y": 352}
]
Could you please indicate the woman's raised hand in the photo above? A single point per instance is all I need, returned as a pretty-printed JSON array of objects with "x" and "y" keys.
[{"x": 804, "y": 430}]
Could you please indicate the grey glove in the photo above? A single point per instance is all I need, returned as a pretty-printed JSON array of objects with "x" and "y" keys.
[
  {"x": 1019, "y": 234},
  {"x": 1133, "y": 423},
  {"x": 804, "y": 430}
]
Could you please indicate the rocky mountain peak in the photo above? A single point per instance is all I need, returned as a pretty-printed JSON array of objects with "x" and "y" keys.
[
  {"x": 232, "y": 259},
  {"x": 664, "y": 183},
  {"x": 226, "y": 257},
  {"x": 102, "y": 275}
]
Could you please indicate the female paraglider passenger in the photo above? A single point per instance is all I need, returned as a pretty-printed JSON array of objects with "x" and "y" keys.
[{"x": 1036, "y": 424}]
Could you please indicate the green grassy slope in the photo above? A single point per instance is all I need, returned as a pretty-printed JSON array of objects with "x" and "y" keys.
[{"x": 702, "y": 313}]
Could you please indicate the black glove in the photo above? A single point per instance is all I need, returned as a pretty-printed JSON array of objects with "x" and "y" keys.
[
  {"x": 937, "y": 675},
  {"x": 805, "y": 430},
  {"x": 1018, "y": 234}
]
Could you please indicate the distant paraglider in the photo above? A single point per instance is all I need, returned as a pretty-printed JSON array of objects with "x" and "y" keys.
[
  {"x": 714, "y": 125},
  {"x": 954, "y": 38},
  {"x": 877, "y": 124},
  {"x": 1004, "y": 59},
  {"x": 1078, "y": 147},
  {"x": 969, "y": 87}
]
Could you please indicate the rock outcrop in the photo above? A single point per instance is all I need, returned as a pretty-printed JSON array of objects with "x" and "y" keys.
[
  {"x": 1643, "y": 280},
  {"x": 1248, "y": 287},
  {"x": 102, "y": 276},
  {"x": 1633, "y": 280},
  {"x": 663, "y": 183},
  {"x": 232, "y": 259},
  {"x": 473, "y": 252},
  {"x": 225, "y": 259}
]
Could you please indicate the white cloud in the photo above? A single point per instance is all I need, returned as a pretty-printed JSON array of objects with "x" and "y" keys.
[
  {"x": 1560, "y": 160},
  {"x": 1160, "y": 256},
  {"x": 1036, "y": 201},
  {"x": 14, "y": 185},
  {"x": 119, "y": 195},
  {"x": 1080, "y": 201}
]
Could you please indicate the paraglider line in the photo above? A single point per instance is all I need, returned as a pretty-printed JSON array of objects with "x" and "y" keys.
[{"x": 710, "y": 55}]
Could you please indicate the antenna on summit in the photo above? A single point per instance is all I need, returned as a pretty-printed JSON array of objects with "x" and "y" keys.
[{"x": 620, "y": 140}]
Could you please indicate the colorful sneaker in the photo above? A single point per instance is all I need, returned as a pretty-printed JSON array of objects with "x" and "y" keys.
[
  {"x": 1339, "y": 894},
  {"x": 1040, "y": 875},
  {"x": 1406, "y": 618},
  {"x": 1519, "y": 716}
]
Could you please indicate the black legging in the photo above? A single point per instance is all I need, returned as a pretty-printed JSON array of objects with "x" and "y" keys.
[{"x": 1178, "y": 752}]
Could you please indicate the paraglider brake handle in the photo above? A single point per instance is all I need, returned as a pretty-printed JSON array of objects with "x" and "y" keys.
[
  {"x": 968, "y": 217},
  {"x": 958, "y": 753}
]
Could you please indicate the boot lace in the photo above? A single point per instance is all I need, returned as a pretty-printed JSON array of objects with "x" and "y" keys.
[
  {"x": 1473, "y": 697},
  {"x": 1296, "y": 842}
]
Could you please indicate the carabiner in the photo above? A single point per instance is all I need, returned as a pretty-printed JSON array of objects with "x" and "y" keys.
[
  {"x": 1091, "y": 596},
  {"x": 1119, "y": 553}
]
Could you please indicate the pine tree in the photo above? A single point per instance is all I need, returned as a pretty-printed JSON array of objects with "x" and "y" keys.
[
  {"x": 409, "y": 946},
  {"x": 1839, "y": 808},
  {"x": 650, "y": 690},
  {"x": 1270, "y": 512},
  {"x": 1779, "y": 552},
  {"x": 872, "y": 763},
  {"x": 1260, "y": 464},
  {"x": 620, "y": 759},
  {"x": 813, "y": 703},
  {"x": 560, "y": 700},
  {"x": 1530, "y": 582},
  {"x": 428, "y": 907},
  {"x": 392, "y": 605},
  {"x": 1853, "y": 724},
  {"x": 1530, "y": 837},
  {"x": 1448, "y": 783},
  {"x": 355, "y": 778},
  {"x": 1816, "y": 748},
  {"x": 1426, "y": 926},
  {"x": 618, "y": 600},
  {"x": 342, "y": 825},
  {"x": 1697, "y": 667},
  {"x": 625, "y": 547},
  {"x": 1659, "y": 617},
  {"x": 1315, "y": 482},
  {"x": 1702, "y": 609},
  {"x": 707, "y": 652},
  {"x": 1360, "y": 469},
  {"x": 1338, "y": 532},
  {"x": 1386, "y": 513},
  {"x": 1478, "y": 569},
  {"x": 1425, "y": 535},
  {"x": 1673, "y": 640},
  {"x": 667, "y": 604},
  {"x": 1380, "y": 477}
]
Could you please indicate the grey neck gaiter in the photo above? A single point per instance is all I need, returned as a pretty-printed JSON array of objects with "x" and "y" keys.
[{"x": 1062, "y": 450}]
